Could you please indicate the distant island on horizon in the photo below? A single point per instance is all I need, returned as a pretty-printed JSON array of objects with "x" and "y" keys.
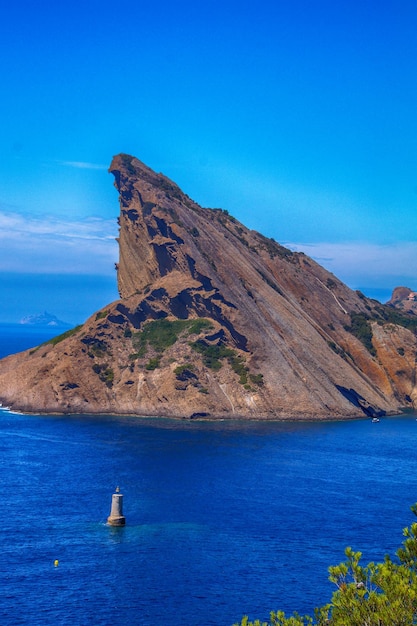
[{"x": 43, "y": 319}]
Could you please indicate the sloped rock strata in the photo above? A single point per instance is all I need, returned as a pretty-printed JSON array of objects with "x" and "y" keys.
[{"x": 217, "y": 321}]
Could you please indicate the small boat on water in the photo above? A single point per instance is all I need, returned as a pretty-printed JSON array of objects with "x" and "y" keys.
[{"x": 375, "y": 420}]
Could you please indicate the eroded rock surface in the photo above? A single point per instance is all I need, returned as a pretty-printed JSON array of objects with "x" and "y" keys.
[{"x": 217, "y": 321}]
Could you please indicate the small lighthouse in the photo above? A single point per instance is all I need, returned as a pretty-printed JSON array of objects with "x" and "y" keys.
[{"x": 116, "y": 517}]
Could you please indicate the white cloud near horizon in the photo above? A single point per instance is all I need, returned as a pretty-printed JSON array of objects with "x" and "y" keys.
[
  {"x": 57, "y": 245},
  {"x": 83, "y": 165},
  {"x": 361, "y": 263},
  {"x": 60, "y": 245}
]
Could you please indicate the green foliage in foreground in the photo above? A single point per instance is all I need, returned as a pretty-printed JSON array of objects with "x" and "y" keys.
[{"x": 377, "y": 594}]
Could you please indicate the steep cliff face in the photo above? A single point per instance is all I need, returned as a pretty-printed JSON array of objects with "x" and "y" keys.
[{"x": 215, "y": 320}]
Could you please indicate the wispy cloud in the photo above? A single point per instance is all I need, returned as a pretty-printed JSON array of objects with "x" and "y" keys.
[
  {"x": 57, "y": 245},
  {"x": 82, "y": 165},
  {"x": 364, "y": 263},
  {"x": 87, "y": 246}
]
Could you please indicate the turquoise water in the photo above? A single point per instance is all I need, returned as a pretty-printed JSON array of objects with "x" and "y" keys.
[{"x": 223, "y": 519}]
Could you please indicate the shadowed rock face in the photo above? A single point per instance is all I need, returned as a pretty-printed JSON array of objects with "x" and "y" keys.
[{"x": 215, "y": 320}]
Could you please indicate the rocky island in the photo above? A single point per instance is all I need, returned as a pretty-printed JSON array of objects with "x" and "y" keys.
[
  {"x": 217, "y": 321},
  {"x": 405, "y": 299}
]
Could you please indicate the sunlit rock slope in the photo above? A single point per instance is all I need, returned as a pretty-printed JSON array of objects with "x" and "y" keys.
[{"x": 217, "y": 321}]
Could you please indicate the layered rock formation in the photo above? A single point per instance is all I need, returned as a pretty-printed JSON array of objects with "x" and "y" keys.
[{"x": 217, "y": 321}]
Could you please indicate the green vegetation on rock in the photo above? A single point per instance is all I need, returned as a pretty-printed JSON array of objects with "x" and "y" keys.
[
  {"x": 239, "y": 367},
  {"x": 161, "y": 334},
  {"x": 256, "y": 379},
  {"x": 214, "y": 354},
  {"x": 274, "y": 249},
  {"x": 102, "y": 314},
  {"x": 361, "y": 328},
  {"x": 59, "y": 338},
  {"x": 105, "y": 373},
  {"x": 388, "y": 315},
  {"x": 181, "y": 369},
  {"x": 97, "y": 348},
  {"x": 152, "y": 364}
]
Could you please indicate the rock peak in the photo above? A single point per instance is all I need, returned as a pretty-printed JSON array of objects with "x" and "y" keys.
[
  {"x": 216, "y": 320},
  {"x": 405, "y": 299}
]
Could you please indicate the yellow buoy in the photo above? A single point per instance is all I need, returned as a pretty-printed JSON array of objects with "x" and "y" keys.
[{"x": 56, "y": 562}]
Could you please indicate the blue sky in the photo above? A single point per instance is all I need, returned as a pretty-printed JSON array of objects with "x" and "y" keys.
[{"x": 298, "y": 118}]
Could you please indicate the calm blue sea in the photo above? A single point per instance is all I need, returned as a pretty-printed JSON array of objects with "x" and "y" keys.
[{"x": 223, "y": 519}]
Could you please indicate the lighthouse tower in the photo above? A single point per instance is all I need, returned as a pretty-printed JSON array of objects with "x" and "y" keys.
[{"x": 116, "y": 517}]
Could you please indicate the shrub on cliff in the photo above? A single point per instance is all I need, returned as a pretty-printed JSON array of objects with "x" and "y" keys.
[{"x": 163, "y": 333}]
